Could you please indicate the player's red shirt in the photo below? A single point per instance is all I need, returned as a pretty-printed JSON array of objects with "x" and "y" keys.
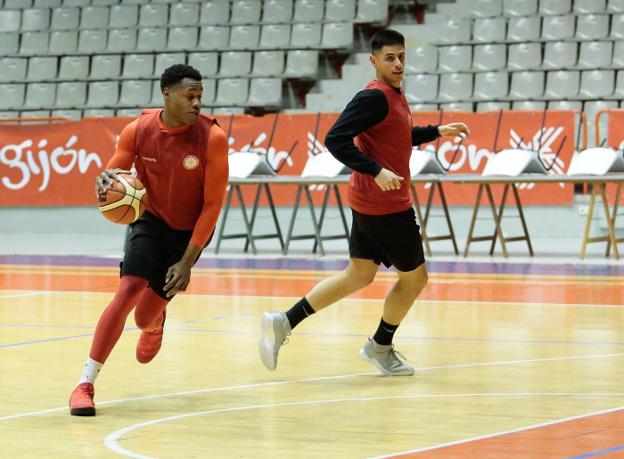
[{"x": 185, "y": 170}]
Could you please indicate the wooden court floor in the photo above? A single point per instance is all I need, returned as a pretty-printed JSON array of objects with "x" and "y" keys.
[{"x": 512, "y": 361}]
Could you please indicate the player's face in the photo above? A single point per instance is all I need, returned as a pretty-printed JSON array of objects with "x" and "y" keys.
[
  {"x": 183, "y": 100},
  {"x": 389, "y": 62}
]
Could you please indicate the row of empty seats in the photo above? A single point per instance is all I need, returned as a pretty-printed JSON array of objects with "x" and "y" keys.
[
  {"x": 191, "y": 14},
  {"x": 257, "y": 92},
  {"x": 490, "y": 8},
  {"x": 522, "y": 56},
  {"x": 532, "y": 28},
  {"x": 291, "y": 64},
  {"x": 328, "y": 36},
  {"x": 559, "y": 84}
]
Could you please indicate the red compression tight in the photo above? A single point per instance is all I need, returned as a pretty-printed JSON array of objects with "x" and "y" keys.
[{"x": 132, "y": 291}]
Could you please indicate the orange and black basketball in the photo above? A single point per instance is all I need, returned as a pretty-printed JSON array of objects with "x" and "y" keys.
[{"x": 125, "y": 201}]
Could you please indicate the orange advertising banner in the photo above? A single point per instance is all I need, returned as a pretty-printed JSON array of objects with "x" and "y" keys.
[{"x": 56, "y": 164}]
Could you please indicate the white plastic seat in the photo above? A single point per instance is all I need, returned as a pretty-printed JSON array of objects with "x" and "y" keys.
[
  {"x": 47, "y": 3},
  {"x": 35, "y": 20},
  {"x": 455, "y": 86},
  {"x": 340, "y": 10},
  {"x": 34, "y": 43},
  {"x": 10, "y": 20},
  {"x": 214, "y": 37},
  {"x": 553, "y": 7},
  {"x": 529, "y": 105},
  {"x": 244, "y": 36},
  {"x": 565, "y": 105},
  {"x": 182, "y": 38},
  {"x": 135, "y": 93},
  {"x": 454, "y": 58},
  {"x": 42, "y": 68},
  {"x": 183, "y": 14},
  {"x": 337, "y": 35},
  {"x": 523, "y": 28},
  {"x": 103, "y": 94},
  {"x": 617, "y": 26},
  {"x": 619, "y": 85},
  {"x": 123, "y": 16},
  {"x": 92, "y": 41},
  {"x": 592, "y": 26},
  {"x": 13, "y": 68},
  {"x": 373, "y": 11},
  {"x": 71, "y": 94},
  {"x": 74, "y": 68},
  {"x": 618, "y": 54},
  {"x": 457, "y": 107},
  {"x": 305, "y": 36},
  {"x": 40, "y": 95},
  {"x": 455, "y": 31},
  {"x": 302, "y": 63},
  {"x": 527, "y": 85},
  {"x": 560, "y": 55},
  {"x": 423, "y": 58},
  {"x": 205, "y": 63},
  {"x": 11, "y": 96},
  {"x": 98, "y": 112},
  {"x": 268, "y": 63},
  {"x": 122, "y": 40},
  {"x": 138, "y": 65},
  {"x": 106, "y": 66},
  {"x": 595, "y": 54},
  {"x": 65, "y": 19},
  {"x": 63, "y": 42},
  {"x": 235, "y": 63},
  {"x": 151, "y": 39},
  {"x": 558, "y": 27},
  {"x": 276, "y": 11},
  {"x": 597, "y": 83},
  {"x": 487, "y": 8},
  {"x": 265, "y": 92},
  {"x": 166, "y": 60},
  {"x": 590, "y": 6},
  {"x": 524, "y": 56},
  {"x": 214, "y": 12},
  {"x": 275, "y": 36},
  {"x": 421, "y": 87},
  {"x": 519, "y": 7},
  {"x": 490, "y": 106},
  {"x": 615, "y": 6},
  {"x": 489, "y": 57},
  {"x": 210, "y": 91},
  {"x": 73, "y": 115},
  {"x": 157, "y": 99},
  {"x": 9, "y": 43},
  {"x": 153, "y": 15},
  {"x": 562, "y": 84},
  {"x": 94, "y": 17},
  {"x": 232, "y": 91},
  {"x": 309, "y": 10},
  {"x": 246, "y": 11},
  {"x": 491, "y": 85},
  {"x": 489, "y": 29}
]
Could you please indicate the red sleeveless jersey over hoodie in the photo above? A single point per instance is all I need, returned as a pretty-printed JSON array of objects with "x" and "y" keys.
[{"x": 390, "y": 144}]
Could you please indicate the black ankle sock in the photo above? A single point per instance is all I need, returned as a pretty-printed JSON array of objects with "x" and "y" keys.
[
  {"x": 385, "y": 333},
  {"x": 299, "y": 311}
]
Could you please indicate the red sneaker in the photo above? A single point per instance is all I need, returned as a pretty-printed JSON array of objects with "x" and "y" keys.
[
  {"x": 81, "y": 400},
  {"x": 149, "y": 343}
]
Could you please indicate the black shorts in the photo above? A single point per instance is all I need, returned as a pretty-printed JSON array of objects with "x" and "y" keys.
[
  {"x": 392, "y": 239},
  {"x": 152, "y": 248}
]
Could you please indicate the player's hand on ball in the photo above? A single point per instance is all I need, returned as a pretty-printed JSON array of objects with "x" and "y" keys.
[
  {"x": 177, "y": 278},
  {"x": 454, "y": 130},
  {"x": 388, "y": 180},
  {"x": 105, "y": 180}
]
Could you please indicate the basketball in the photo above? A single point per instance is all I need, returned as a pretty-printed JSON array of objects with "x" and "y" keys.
[{"x": 125, "y": 201}]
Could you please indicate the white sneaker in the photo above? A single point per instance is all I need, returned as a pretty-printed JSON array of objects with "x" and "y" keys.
[
  {"x": 386, "y": 359},
  {"x": 275, "y": 329}
]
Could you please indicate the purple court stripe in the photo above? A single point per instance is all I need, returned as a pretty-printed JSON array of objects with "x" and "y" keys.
[{"x": 294, "y": 264}]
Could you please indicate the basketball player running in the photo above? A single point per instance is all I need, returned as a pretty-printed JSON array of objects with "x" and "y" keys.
[
  {"x": 384, "y": 228},
  {"x": 180, "y": 156}
]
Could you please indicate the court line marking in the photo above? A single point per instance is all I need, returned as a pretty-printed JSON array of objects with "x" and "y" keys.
[
  {"x": 24, "y": 294},
  {"x": 498, "y": 434},
  {"x": 598, "y": 453},
  {"x": 111, "y": 440},
  {"x": 315, "y": 379}
]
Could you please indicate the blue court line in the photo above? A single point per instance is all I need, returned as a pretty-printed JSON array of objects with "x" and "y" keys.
[{"x": 598, "y": 453}]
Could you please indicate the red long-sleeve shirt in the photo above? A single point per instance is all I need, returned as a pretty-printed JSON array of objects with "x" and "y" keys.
[{"x": 185, "y": 170}]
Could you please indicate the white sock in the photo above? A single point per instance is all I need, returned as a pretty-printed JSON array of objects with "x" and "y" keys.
[{"x": 91, "y": 371}]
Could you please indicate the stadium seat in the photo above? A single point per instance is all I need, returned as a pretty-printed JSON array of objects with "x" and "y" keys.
[
  {"x": 455, "y": 31},
  {"x": 276, "y": 11},
  {"x": 489, "y": 57},
  {"x": 232, "y": 91},
  {"x": 592, "y": 26},
  {"x": 302, "y": 63},
  {"x": 94, "y": 17},
  {"x": 560, "y": 54},
  {"x": 524, "y": 56},
  {"x": 305, "y": 36},
  {"x": 182, "y": 38},
  {"x": 487, "y": 8},
  {"x": 454, "y": 58},
  {"x": 65, "y": 19},
  {"x": 74, "y": 68},
  {"x": 523, "y": 28},
  {"x": 34, "y": 20},
  {"x": 103, "y": 94},
  {"x": 11, "y": 96},
  {"x": 63, "y": 42},
  {"x": 151, "y": 39},
  {"x": 309, "y": 10},
  {"x": 42, "y": 68},
  {"x": 526, "y": 85},
  {"x": 491, "y": 85},
  {"x": 214, "y": 12},
  {"x": 553, "y": 7},
  {"x": 123, "y": 16},
  {"x": 71, "y": 94},
  {"x": 206, "y": 63},
  {"x": 9, "y": 43},
  {"x": 340, "y": 10},
  {"x": 214, "y": 37},
  {"x": 165, "y": 60},
  {"x": 489, "y": 30},
  {"x": 597, "y": 83},
  {"x": 245, "y": 11},
  {"x": 122, "y": 40},
  {"x": 92, "y": 41},
  {"x": 183, "y": 14},
  {"x": 372, "y": 11},
  {"x": 275, "y": 36},
  {"x": 40, "y": 95},
  {"x": 268, "y": 63},
  {"x": 105, "y": 66},
  {"x": 492, "y": 106},
  {"x": 265, "y": 92},
  {"x": 154, "y": 15},
  {"x": 590, "y": 6},
  {"x": 561, "y": 84},
  {"x": 519, "y": 7},
  {"x": 455, "y": 86},
  {"x": 422, "y": 58},
  {"x": 244, "y": 36},
  {"x": 235, "y": 63},
  {"x": 558, "y": 27},
  {"x": 595, "y": 54},
  {"x": 14, "y": 68},
  {"x": 34, "y": 43},
  {"x": 135, "y": 93},
  {"x": 337, "y": 35},
  {"x": 138, "y": 65},
  {"x": 421, "y": 87},
  {"x": 10, "y": 20}
]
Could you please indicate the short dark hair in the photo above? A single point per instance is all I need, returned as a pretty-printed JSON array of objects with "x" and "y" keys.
[
  {"x": 386, "y": 37},
  {"x": 177, "y": 73}
]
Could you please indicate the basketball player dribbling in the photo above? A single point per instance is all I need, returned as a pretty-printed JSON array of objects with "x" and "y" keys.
[
  {"x": 181, "y": 156},
  {"x": 384, "y": 228}
]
